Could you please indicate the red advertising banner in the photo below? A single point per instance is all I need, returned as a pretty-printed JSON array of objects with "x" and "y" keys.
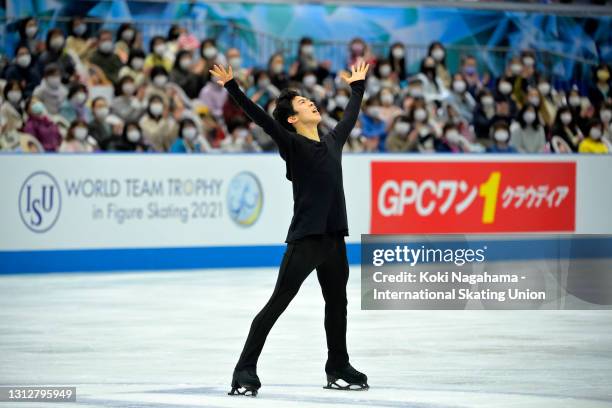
[{"x": 471, "y": 197}]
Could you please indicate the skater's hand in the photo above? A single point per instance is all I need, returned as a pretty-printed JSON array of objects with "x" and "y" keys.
[
  {"x": 221, "y": 75},
  {"x": 358, "y": 72}
]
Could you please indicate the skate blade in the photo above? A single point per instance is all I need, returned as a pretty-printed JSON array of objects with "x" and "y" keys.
[
  {"x": 240, "y": 391},
  {"x": 348, "y": 387}
]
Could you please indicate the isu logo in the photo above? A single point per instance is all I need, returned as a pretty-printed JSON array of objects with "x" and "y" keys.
[
  {"x": 40, "y": 201},
  {"x": 244, "y": 199}
]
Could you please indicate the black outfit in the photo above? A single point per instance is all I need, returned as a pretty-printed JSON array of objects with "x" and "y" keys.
[{"x": 316, "y": 235}]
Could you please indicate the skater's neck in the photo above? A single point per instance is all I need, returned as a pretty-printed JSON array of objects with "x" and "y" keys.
[{"x": 309, "y": 131}]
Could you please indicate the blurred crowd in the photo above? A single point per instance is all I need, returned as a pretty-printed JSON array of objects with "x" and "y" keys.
[{"x": 80, "y": 91}]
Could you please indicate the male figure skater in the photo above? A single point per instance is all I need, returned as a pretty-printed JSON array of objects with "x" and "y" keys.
[{"x": 316, "y": 235}]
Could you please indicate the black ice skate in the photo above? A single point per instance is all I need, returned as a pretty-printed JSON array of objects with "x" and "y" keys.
[
  {"x": 245, "y": 382},
  {"x": 352, "y": 380}
]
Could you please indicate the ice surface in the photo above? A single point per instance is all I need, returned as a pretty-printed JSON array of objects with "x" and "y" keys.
[{"x": 171, "y": 339}]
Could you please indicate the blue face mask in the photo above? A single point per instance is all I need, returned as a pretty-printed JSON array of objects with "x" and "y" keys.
[
  {"x": 38, "y": 108},
  {"x": 470, "y": 70}
]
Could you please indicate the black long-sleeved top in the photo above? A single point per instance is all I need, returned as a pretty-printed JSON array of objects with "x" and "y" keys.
[{"x": 314, "y": 168}]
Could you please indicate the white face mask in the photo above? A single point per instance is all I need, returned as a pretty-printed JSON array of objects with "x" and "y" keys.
[
  {"x": 80, "y": 29},
  {"x": 459, "y": 86},
  {"x": 235, "y": 62},
  {"x": 416, "y": 92},
  {"x": 31, "y": 31},
  {"x": 398, "y": 52},
  {"x": 528, "y": 61},
  {"x": 127, "y": 35},
  {"x": 14, "y": 96},
  {"x": 544, "y": 88},
  {"x": 185, "y": 63},
  {"x": 342, "y": 101},
  {"x": 487, "y": 100},
  {"x": 308, "y": 49},
  {"x": 242, "y": 133},
  {"x": 190, "y": 133},
  {"x": 385, "y": 70},
  {"x": 264, "y": 83},
  {"x": 310, "y": 81},
  {"x": 605, "y": 115},
  {"x": 402, "y": 128},
  {"x": 516, "y": 68},
  {"x": 595, "y": 133},
  {"x": 137, "y": 64},
  {"x": 80, "y": 133},
  {"x": 160, "y": 80},
  {"x": 420, "y": 115},
  {"x": 505, "y": 87},
  {"x": 566, "y": 118},
  {"x": 501, "y": 135},
  {"x": 373, "y": 111},
  {"x": 386, "y": 99},
  {"x": 529, "y": 117},
  {"x": 24, "y": 60},
  {"x": 106, "y": 47},
  {"x": 128, "y": 89},
  {"x": 101, "y": 113},
  {"x": 79, "y": 98},
  {"x": 534, "y": 100},
  {"x": 277, "y": 68},
  {"x": 452, "y": 136},
  {"x": 156, "y": 108},
  {"x": 133, "y": 135},
  {"x": 423, "y": 131},
  {"x": 56, "y": 43},
  {"x": 438, "y": 54},
  {"x": 574, "y": 100},
  {"x": 210, "y": 52},
  {"x": 54, "y": 81},
  {"x": 159, "y": 49},
  {"x": 355, "y": 133}
]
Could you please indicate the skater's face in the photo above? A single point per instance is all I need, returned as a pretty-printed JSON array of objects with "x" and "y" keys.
[{"x": 306, "y": 111}]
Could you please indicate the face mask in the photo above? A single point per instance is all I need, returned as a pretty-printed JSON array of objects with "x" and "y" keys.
[
  {"x": 156, "y": 108},
  {"x": 24, "y": 60},
  {"x": 595, "y": 133},
  {"x": 128, "y": 88},
  {"x": 603, "y": 75},
  {"x": 534, "y": 100},
  {"x": 402, "y": 128},
  {"x": 133, "y": 135},
  {"x": 487, "y": 100},
  {"x": 605, "y": 115},
  {"x": 159, "y": 49},
  {"x": 185, "y": 63},
  {"x": 54, "y": 81},
  {"x": 528, "y": 61},
  {"x": 386, "y": 99},
  {"x": 452, "y": 136},
  {"x": 189, "y": 133},
  {"x": 505, "y": 88},
  {"x": 544, "y": 88},
  {"x": 127, "y": 35},
  {"x": 277, "y": 68},
  {"x": 310, "y": 81},
  {"x": 373, "y": 111},
  {"x": 574, "y": 100},
  {"x": 416, "y": 92},
  {"x": 106, "y": 47},
  {"x": 438, "y": 54},
  {"x": 398, "y": 53},
  {"x": 423, "y": 131},
  {"x": 160, "y": 80},
  {"x": 501, "y": 135},
  {"x": 385, "y": 70},
  {"x": 566, "y": 118},
  {"x": 137, "y": 63},
  {"x": 80, "y": 29},
  {"x": 516, "y": 68},
  {"x": 79, "y": 98},
  {"x": 14, "y": 96},
  {"x": 242, "y": 133},
  {"x": 420, "y": 115},
  {"x": 38, "y": 108},
  {"x": 459, "y": 86},
  {"x": 56, "y": 43},
  {"x": 80, "y": 133},
  {"x": 308, "y": 49},
  {"x": 529, "y": 117},
  {"x": 31, "y": 31},
  {"x": 469, "y": 70},
  {"x": 101, "y": 113},
  {"x": 210, "y": 52},
  {"x": 235, "y": 62},
  {"x": 342, "y": 101},
  {"x": 357, "y": 48}
]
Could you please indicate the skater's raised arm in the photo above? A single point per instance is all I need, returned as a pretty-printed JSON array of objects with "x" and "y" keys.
[
  {"x": 225, "y": 78},
  {"x": 357, "y": 82}
]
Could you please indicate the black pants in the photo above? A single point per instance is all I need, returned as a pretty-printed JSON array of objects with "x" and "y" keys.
[{"x": 327, "y": 254}]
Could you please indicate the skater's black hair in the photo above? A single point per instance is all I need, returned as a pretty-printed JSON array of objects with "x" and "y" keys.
[{"x": 284, "y": 108}]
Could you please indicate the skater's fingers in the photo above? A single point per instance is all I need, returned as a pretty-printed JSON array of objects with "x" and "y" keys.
[{"x": 231, "y": 72}]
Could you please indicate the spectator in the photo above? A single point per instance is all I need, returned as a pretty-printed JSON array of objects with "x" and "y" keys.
[
  {"x": 546, "y": 107},
  {"x": 306, "y": 61},
  {"x": 99, "y": 128},
  {"x": 28, "y": 32},
  {"x": 262, "y": 91},
  {"x": 79, "y": 40},
  {"x": 131, "y": 140},
  {"x": 567, "y": 128},
  {"x": 76, "y": 139},
  {"x": 11, "y": 115},
  {"x": 40, "y": 126},
  {"x": 182, "y": 75},
  {"x": 469, "y": 69},
  {"x": 51, "y": 92},
  {"x": 528, "y": 134},
  {"x": 461, "y": 100},
  {"x": 105, "y": 58},
  {"x": 189, "y": 140},
  {"x": 593, "y": 142},
  {"x": 214, "y": 97},
  {"x": 156, "y": 57},
  {"x": 501, "y": 137},
  {"x": 599, "y": 92},
  {"x": 438, "y": 53},
  {"x": 126, "y": 105},
  {"x": 605, "y": 116},
  {"x": 373, "y": 127},
  {"x": 400, "y": 137},
  {"x": 276, "y": 71},
  {"x": 504, "y": 93},
  {"x": 75, "y": 106},
  {"x": 433, "y": 87},
  {"x": 388, "y": 79},
  {"x": 134, "y": 67},
  {"x": 574, "y": 101},
  {"x": 125, "y": 43},
  {"x": 24, "y": 70},
  {"x": 158, "y": 79},
  {"x": 209, "y": 55},
  {"x": 397, "y": 59},
  {"x": 483, "y": 115},
  {"x": 56, "y": 54},
  {"x": 388, "y": 110},
  {"x": 159, "y": 129},
  {"x": 359, "y": 50},
  {"x": 239, "y": 139}
]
